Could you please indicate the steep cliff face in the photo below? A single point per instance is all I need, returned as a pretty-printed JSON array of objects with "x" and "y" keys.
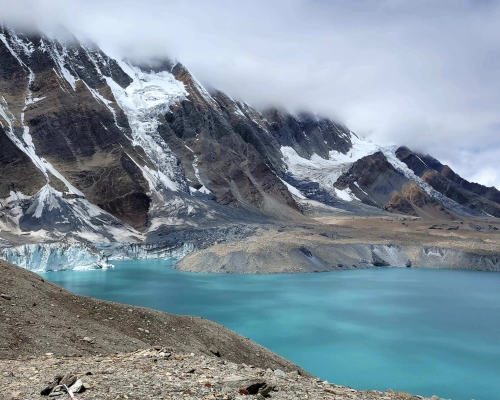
[
  {"x": 59, "y": 113},
  {"x": 443, "y": 179},
  {"x": 104, "y": 150},
  {"x": 375, "y": 180},
  {"x": 136, "y": 141}
]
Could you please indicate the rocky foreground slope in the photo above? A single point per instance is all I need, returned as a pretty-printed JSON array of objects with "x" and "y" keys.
[
  {"x": 48, "y": 334},
  {"x": 154, "y": 374},
  {"x": 38, "y": 317}
]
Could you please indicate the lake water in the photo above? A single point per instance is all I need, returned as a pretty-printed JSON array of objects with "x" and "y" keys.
[{"x": 416, "y": 330}]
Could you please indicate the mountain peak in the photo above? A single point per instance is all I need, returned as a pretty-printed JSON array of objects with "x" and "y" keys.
[{"x": 142, "y": 145}]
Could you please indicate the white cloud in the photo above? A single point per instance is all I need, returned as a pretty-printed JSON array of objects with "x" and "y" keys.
[{"x": 421, "y": 73}]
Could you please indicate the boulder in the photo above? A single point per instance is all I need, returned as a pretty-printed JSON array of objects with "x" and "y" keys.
[{"x": 242, "y": 384}]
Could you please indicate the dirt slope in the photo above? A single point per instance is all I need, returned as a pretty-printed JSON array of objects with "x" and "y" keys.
[{"x": 38, "y": 317}]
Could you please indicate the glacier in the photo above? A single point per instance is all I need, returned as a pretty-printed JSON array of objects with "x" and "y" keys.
[
  {"x": 60, "y": 256},
  {"x": 145, "y": 251},
  {"x": 43, "y": 257}
]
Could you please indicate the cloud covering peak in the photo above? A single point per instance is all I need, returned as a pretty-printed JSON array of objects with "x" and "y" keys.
[{"x": 420, "y": 73}]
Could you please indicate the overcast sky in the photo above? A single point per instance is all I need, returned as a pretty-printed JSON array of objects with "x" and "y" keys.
[{"x": 425, "y": 73}]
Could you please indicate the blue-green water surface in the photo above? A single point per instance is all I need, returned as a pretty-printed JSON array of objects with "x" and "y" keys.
[{"x": 415, "y": 330}]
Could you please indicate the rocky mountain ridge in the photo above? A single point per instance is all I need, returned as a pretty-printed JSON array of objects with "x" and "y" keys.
[{"x": 97, "y": 150}]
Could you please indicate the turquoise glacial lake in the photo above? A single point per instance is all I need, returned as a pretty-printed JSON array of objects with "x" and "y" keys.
[{"x": 415, "y": 330}]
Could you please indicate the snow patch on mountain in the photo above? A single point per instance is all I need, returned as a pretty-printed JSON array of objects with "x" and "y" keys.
[
  {"x": 327, "y": 171},
  {"x": 59, "y": 53},
  {"x": 149, "y": 96},
  {"x": 345, "y": 194},
  {"x": 293, "y": 190}
]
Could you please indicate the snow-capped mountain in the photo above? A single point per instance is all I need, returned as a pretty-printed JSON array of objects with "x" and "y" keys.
[{"x": 100, "y": 150}]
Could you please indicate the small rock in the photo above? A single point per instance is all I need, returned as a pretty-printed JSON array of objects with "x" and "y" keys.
[
  {"x": 293, "y": 374},
  {"x": 279, "y": 372},
  {"x": 46, "y": 391},
  {"x": 77, "y": 387},
  {"x": 68, "y": 379},
  {"x": 5, "y": 296},
  {"x": 88, "y": 339},
  {"x": 265, "y": 390},
  {"x": 250, "y": 384},
  {"x": 57, "y": 389},
  {"x": 214, "y": 351}
]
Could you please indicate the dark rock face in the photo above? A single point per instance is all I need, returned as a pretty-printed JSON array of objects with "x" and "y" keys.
[
  {"x": 462, "y": 196},
  {"x": 228, "y": 165},
  {"x": 16, "y": 170},
  {"x": 373, "y": 180},
  {"x": 68, "y": 126},
  {"x": 443, "y": 179},
  {"x": 414, "y": 161},
  {"x": 308, "y": 135}
]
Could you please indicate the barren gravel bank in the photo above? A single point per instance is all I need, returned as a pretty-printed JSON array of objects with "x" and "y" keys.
[
  {"x": 156, "y": 374},
  {"x": 38, "y": 317},
  {"x": 356, "y": 242}
]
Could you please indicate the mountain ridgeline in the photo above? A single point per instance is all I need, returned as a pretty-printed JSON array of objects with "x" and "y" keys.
[{"x": 98, "y": 150}]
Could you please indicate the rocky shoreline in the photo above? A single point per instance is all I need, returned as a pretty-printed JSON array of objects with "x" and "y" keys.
[{"x": 159, "y": 373}]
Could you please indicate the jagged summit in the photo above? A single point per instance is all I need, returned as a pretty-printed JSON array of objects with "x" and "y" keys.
[{"x": 105, "y": 150}]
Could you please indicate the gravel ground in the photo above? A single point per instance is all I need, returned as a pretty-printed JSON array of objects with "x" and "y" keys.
[{"x": 158, "y": 373}]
